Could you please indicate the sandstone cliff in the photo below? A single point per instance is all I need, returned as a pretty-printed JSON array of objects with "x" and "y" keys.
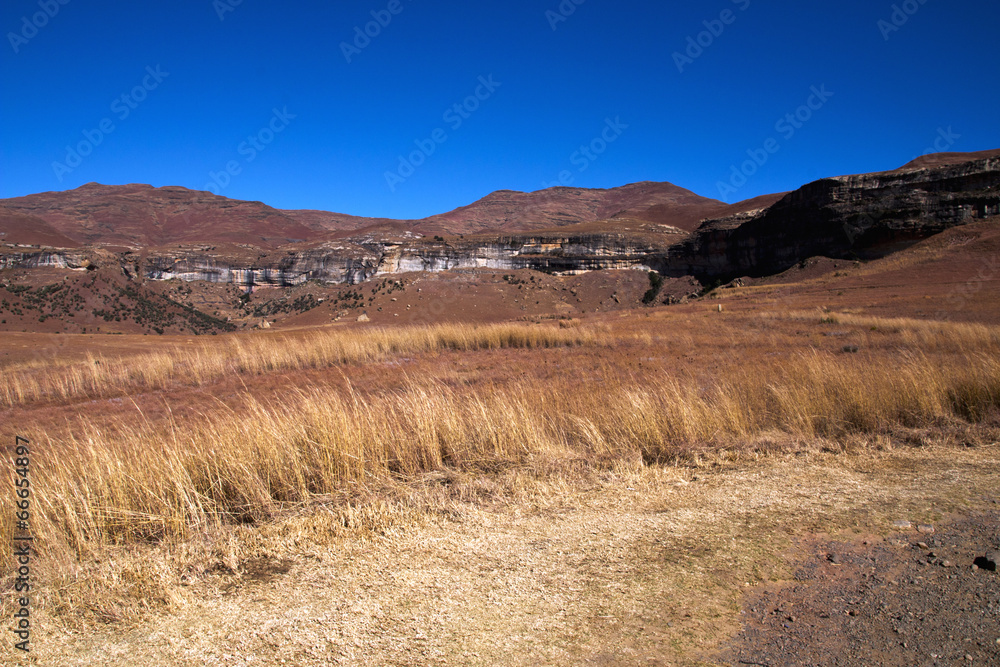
[
  {"x": 849, "y": 216},
  {"x": 867, "y": 215},
  {"x": 357, "y": 262}
]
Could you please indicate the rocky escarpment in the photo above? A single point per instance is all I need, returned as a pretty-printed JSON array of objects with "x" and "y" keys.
[
  {"x": 41, "y": 259},
  {"x": 331, "y": 263},
  {"x": 552, "y": 254},
  {"x": 868, "y": 215},
  {"x": 859, "y": 216},
  {"x": 356, "y": 262}
]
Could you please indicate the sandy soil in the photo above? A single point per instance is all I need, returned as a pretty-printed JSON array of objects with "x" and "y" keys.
[
  {"x": 910, "y": 598},
  {"x": 652, "y": 566}
]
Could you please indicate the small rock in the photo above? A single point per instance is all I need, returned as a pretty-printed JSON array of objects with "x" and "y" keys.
[
  {"x": 947, "y": 563},
  {"x": 987, "y": 562},
  {"x": 923, "y": 545},
  {"x": 850, "y": 349},
  {"x": 925, "y": 528},
  {"x": 968, "y": 657},
  {"x": 902, "y": 524},
  {"x": 835, "y": 559}
]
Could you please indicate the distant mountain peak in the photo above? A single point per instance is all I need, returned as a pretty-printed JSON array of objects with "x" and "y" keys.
[{"x": 141, "y": 215}]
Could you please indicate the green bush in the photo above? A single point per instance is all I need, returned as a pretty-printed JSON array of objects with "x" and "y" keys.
[{"x": 655, "y": 285}]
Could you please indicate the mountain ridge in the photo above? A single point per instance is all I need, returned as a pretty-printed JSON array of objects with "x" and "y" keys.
[
  {"x": 142, "y": 215},
  {"x": 136, "y": 215}
]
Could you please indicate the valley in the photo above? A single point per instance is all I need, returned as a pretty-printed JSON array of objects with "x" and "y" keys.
[{"x": 618, "y": 441}]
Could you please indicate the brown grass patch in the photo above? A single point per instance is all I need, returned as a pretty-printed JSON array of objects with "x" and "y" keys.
[
  {"x": 255, "y": 354},
  {"x": 140, "y": 481}
]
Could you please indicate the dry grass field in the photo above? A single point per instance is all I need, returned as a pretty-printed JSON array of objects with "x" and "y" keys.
[{"x": 604, "y": 489}]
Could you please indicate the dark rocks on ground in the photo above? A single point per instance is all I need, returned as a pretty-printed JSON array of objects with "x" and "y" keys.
[
  {"x": 879, "y": 606},
  {"x": 988, "y": 561}
]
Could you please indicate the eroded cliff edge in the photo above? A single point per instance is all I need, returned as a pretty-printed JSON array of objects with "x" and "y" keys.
[
  {"x": 858, "y": 216},
  {"x": 863, "y": 216}
]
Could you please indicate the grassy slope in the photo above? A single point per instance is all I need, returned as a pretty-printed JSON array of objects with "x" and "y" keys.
[{"x": 313, "y": 434}]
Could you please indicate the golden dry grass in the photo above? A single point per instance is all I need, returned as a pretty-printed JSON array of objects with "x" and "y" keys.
[
  {"x": 144, "y": 481},
  {"x": 255, "y": 354},
  {"x": 924, "y": 335},
  {"x": 133, "y": 481}
]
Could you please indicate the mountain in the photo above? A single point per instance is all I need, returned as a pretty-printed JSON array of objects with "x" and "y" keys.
[
  {"x": 19, "y": 227},
  {"x": 934, "y": 160},
  {"x": 141, "y": 216},
  {"x": 198, "y": 236},
  {"x": 859, "y": 216},
  {"x": 154, "y": 260},
  {"x": 512, "y": 211}
]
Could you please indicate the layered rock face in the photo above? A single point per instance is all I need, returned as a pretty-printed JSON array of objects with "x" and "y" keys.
[
  {"x": 862, "y": 216},
  {"x": 551, "y": 254},
  {"x": 327, "y": 266},
  {"x": 866, "y": 215},
  {"x": 356, "y": 263},
  {"x": 45, "y": 259}
]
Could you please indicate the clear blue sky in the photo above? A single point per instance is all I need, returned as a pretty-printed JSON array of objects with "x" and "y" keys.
[{"x": 894, "y": 93}]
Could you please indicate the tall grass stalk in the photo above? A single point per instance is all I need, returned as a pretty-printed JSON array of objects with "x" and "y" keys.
[
  {"x": 144, "y": 480},
  {"x": 256, "y": 354}
]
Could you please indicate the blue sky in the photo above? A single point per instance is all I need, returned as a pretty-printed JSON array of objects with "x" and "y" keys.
[{"x": 261, "y": 100}]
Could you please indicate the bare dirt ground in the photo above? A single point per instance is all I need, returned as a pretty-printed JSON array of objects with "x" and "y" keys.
[
  {"x": 790, "y": 559},
  {"x": 641, "y": 566},
  {"x": 906, "y": 599}
]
